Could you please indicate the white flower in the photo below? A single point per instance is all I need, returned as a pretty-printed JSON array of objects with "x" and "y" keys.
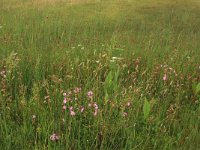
[
  {"x": 114, "y": 58},
  {"x": 112, "y": 61}
]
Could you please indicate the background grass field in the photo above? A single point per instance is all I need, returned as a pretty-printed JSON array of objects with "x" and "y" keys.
[{"x": 140, "y": 58}]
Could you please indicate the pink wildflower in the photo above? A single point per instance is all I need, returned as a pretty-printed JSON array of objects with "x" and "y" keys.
[
  {"x": 95, "y": 109},
  {"x": 64, "y": 107},
  {"x": 71, "y": 109},
  {"x": 54, "y": 137},
  {"x": 95, "y": 106},
  {"x": 129, "y": 104},
  {"x": 165, "y": 77},
  {"x": 65, "y": 101},
  {"x": 77, "y": 90},
  {"x": 95, "y": 112},
  {"x": 82, "y": 109},
  {"x": 72, "y": 113},
  {"x": 64, "y": 94},
  {"x": 90, "y": 94},
  {"x": 124, "y": 114}
]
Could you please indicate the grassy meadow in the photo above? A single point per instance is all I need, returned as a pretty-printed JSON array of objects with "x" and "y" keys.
[{"x": 99, "y": 74}]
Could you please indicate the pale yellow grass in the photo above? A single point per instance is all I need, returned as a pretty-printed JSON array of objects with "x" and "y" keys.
[
  {"x": 112, "y": 8},
  {"x": 41, "y": 3}
]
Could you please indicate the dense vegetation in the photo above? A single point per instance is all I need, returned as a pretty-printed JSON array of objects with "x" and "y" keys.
[{"x": 120, "y": 74}]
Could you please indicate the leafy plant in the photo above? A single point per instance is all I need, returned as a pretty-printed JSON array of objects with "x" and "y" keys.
[
  {"x": 146, "y": 109},
  {"x": 197, "y": 89}
]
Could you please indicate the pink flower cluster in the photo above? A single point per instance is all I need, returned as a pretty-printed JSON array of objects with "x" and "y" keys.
[
  {"x": 165, "y": 77},
  {"x": 81, "y": 108},
  {"x": 64, "y": 101},
  {"x": 95, "y": 106},
  {"x": 77, "y": 90},
  {"x": 90, "y": 94},
  {"x": 71, "y": 109},
  {"x": 3, "y": 73},
  {"x": 54, "y": 137},
  {"x": 95, "y": 109}
]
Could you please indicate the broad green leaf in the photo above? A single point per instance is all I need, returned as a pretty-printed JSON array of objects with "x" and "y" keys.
[
  {"x": 146, "y": 109},
  {"x": 197, "y": 89}
]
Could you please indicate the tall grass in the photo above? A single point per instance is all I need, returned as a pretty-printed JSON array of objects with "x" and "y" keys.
[{"x": 139, "y": 61}]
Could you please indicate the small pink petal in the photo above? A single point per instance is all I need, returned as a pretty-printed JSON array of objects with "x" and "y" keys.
[
  {"x": 77, "y": 90},
  {"x": 90, "y": 94},
  {"x": 124, "y": 114},
  {"x": 165, "y": 77},
  {"x": 65, "y": 101},
  {"x": 53, "y": 137},
  {"x": 95, "y": 112},
  {"x": 129, "y": 104},
  {"x": 95, "y": 106},
  {"x": 70, "y": 108},
  {"x": 57, "y": 137},
  {"x": 82, "y": 109},
  {"x": 64, "y": 107},
  {"x": 72, "y": 113}
]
